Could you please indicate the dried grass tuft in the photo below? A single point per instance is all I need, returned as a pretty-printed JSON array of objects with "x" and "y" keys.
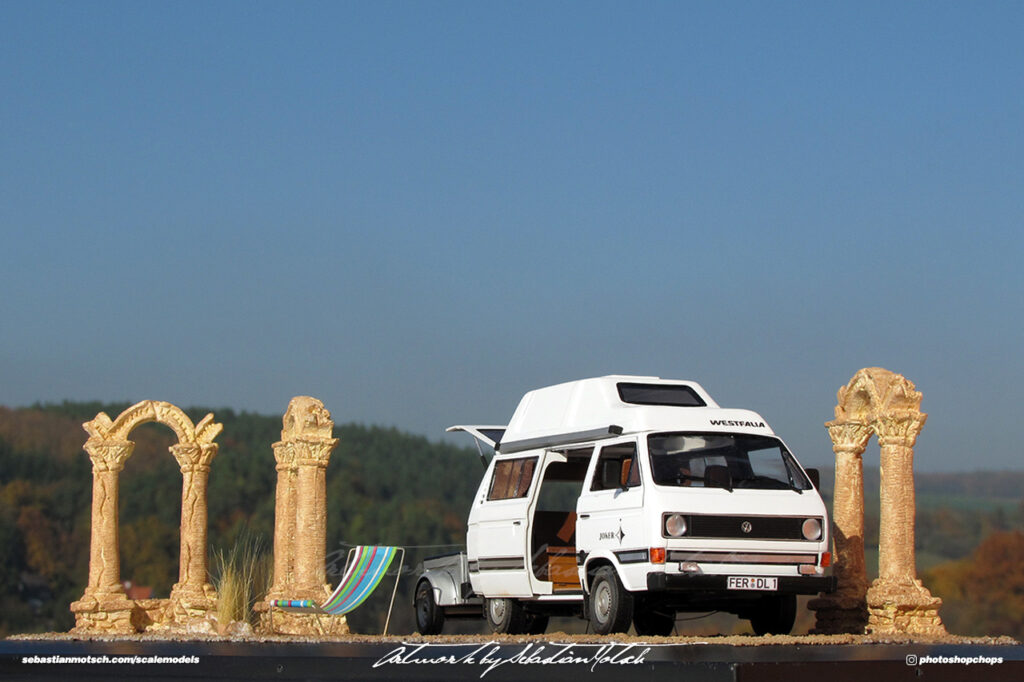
[{"x": 241, "y": 576}]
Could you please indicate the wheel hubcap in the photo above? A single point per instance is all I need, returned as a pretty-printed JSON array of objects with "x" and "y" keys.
[{"x": 603, "y": 602}]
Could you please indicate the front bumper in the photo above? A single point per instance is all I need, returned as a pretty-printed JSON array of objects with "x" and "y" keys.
[{"x": 662, "y": 582}]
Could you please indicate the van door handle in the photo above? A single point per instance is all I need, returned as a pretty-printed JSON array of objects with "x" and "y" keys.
[
  {"x": 584, "y": 516},
  {"x": 517, "y": 523}
]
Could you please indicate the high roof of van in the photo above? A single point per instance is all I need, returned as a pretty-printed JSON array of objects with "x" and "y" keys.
[{"x": 632, "y": 403}]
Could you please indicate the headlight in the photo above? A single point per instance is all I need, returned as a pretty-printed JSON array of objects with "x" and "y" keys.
[
  {"x": 812, "y": 529},
  {"x": 675, "y": 525}
]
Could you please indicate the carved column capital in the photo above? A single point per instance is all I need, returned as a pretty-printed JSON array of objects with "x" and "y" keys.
[
  {"x": 284, "y": 454},
  {"x": 899, "y": 428},
  {"x": 314, "y": 451},
  {"x": 848, "y": 436},
  {"x": 109, "y": 455},
  {"x": 194, "y": 456}
]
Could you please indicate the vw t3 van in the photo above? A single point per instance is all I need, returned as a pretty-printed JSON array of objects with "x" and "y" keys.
[{"x": 627, "y": 500}]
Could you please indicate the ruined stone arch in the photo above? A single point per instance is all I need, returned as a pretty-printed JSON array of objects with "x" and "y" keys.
[
  {"x": 882, "y": 403},
  {"x": 103, "y": 429},
  {"x": 104, "y": 606}
]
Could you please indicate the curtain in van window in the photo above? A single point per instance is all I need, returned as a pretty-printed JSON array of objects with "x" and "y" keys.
[{"x": 512, "y": 478}]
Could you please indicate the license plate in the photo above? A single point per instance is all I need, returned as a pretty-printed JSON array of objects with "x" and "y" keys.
[{"x": 745, "y": 582}]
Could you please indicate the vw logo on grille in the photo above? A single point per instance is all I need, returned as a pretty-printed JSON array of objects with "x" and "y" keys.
[{"x": 746, "y": 527}]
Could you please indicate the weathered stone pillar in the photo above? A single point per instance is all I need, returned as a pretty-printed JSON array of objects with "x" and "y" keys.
[
  {"x": 845, "y": 611},
  {"x": 192, "y": 596},
  {"x": 282, "y": 586},
  {"x": 897, "y": 601},
  {"x": 897, "y": 434},
  {"x": 311, "y": 518},
  {"x": 300, "y": 526},
  {"x": 104, "y": 606},
  {"x": 284, "y": 522}
]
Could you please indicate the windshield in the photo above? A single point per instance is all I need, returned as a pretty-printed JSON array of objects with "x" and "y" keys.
[{"x": 723, "y": 460}]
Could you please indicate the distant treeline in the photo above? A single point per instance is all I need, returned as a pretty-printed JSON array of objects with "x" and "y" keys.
[
  {"x": 987, "y": 488},
  {"x": 383, "y": 486}
]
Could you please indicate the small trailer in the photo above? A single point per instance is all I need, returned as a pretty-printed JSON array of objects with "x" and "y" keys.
[
  {"x": 444, "y": 592},
  {"x": 627, "y": 500}
]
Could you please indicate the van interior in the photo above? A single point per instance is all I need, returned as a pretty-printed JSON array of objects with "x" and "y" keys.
[{"x": 553, "y": 542}]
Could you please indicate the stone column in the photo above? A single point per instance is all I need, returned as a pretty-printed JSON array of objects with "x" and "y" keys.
[
  {"x": 312, "y": 457},
  {"x": 897, "y": 434},
  {"x": 846, "y": 610},
  {"x": 283, "y": 585},
  {"x": 104, "y": 607},
  {"x": 300, "y": 523},
  {"x": 284, "y": 522},
  {"x": 192, "y": 597},
  {"x": 897, "y": 601}
]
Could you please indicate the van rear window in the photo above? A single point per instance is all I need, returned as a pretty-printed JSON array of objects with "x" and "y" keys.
[
  {"x": 512, "y": 478},
  {"x": 655, "y": 394}
]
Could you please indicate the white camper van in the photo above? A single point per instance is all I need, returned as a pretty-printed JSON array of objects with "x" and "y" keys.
[{"x": 627, "y": 500}]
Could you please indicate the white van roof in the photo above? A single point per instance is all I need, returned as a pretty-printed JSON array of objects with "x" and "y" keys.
[{"x": 589, "y": 409}]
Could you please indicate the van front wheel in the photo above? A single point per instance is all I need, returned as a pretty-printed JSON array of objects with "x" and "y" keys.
[
  {"x": 506, "y": 616},
  {"x": 611, "y": 604}
]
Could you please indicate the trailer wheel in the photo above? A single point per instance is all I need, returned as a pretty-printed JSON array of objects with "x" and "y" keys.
[
  {"x": 429, "y": 616},
  {"x": 506, "y": 616},
  {"x": 775, "y": 615},
  {"x": 654, "y": 623},
  {"x": 611, "y": 604}
]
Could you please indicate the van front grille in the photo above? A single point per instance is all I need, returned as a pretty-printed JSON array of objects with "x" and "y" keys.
[{"x": 753, "y": 527}]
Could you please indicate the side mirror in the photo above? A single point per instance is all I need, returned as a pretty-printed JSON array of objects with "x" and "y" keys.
[{"x": 815, "y": 477}]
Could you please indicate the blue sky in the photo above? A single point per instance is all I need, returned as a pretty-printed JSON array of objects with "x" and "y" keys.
[{"x": 419, "y": 211}]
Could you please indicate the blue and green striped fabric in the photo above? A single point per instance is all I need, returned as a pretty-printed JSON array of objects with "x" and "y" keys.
[
  {"x": 364, "y": 573},
  {"x": 293, "y": 603}
]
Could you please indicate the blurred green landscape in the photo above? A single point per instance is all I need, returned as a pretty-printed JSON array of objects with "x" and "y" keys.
[{"x": 389, "y": 487}]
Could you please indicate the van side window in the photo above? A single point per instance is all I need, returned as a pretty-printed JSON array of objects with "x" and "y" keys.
[
  {"x": 512, "y": 478},
  {"x": 617, "y": 467}
]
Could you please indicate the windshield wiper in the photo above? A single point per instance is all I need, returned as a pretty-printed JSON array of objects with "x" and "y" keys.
[{"x": 775, "y": 484}]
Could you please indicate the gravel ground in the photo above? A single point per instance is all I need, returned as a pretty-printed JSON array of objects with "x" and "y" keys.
[{"x": 731, "y": 640}]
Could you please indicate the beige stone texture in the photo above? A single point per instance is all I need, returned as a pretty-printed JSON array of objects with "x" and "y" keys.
[
  {"x": 104, "y": 606},
  {"x": 887, "y": 404},
  {"x": 284, "y": 522},
  {"x": 846, "y": 610},
  {"x": 300, "y": 520}
]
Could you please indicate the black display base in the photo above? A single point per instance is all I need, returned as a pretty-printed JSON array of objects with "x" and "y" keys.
[{"x": 538, "y": 660}]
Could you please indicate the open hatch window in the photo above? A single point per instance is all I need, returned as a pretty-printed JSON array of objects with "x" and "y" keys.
[{"x": 488, "y": 435}]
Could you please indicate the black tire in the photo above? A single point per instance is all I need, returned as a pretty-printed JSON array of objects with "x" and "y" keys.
[
  {"x": 775, "y": 616},
  {"x": 653, "y": 623},
  {"x": 429, "y": 616},
  {"x": 610, "y": 605},
  {"x": 537, "y": 625},
  {"x": 506, "y": 616}
]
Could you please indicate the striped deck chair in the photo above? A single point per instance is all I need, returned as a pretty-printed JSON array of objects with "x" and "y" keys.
[{"x": 364, "y": 570}]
